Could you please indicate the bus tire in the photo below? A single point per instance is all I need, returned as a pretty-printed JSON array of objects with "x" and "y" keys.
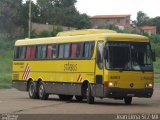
[
  {"x": 90, "y": 98},
  {"x": 128, "y": 100},
  {"x": 79, "y": 98},
  {"x": 65, "y": 97},
  {"x": 32, "y": 90},
  {"x": 41, "y": 91}
]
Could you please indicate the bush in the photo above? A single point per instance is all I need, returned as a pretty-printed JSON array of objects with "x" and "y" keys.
[
  {"x": 46, "y": 33},
  {"x": 155, "y": 38}
]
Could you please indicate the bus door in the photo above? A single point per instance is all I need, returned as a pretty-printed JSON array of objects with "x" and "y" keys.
[{"x": 99, "y": 70}]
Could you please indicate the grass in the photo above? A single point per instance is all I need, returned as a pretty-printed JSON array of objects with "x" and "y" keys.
[
  {"x": 5, "y": 81},
  {"x": 6, "y": 48},
  {"x": 157, "y": 80},
  {"x": 157, "y": 65}
]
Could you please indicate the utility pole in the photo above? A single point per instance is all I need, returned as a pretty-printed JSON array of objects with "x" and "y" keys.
[{"x": 29, "y": 20}]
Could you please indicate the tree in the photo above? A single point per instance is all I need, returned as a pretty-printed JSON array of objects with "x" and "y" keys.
[
  {"x": 23, "y": 21},
  {"x": 141, "y": 18},
  {"x": 62, "y": 12},
  {"x": 154, "y": 22},
  {"x": 9, "y": 15}
]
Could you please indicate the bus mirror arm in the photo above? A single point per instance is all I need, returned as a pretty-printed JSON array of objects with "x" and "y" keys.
[{"x": 153, "y": 54}]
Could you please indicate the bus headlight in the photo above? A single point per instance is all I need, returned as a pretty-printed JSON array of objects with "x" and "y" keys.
[
  {"x": 110, "y": 84},
  {"x": 149, "y": 85}
]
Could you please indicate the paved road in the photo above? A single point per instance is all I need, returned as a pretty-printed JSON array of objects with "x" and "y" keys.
[{"x": 17, "y": 102}]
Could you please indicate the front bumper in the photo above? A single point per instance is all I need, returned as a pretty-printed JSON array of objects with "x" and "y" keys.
[{"x": 124, "y": 92}]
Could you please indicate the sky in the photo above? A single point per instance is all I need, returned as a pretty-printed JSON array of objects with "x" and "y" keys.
[{"x": 117, "y": 7}]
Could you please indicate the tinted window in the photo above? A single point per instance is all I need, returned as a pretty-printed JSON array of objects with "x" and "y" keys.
[
  {"x": 38, "y": 52},
  {"x": 22, "y": 51},
  {"x": 49, "y": 52},
  {"x": 33, "y": 49},
  {"x": 66, "y": 50},
  {"x": 54, "y": 51},
  {"x": 76, "y": 50},
  {"x": 16, "y": 52},
  {"x": 88, "y": 49},
  {"x": 41, "y": 52},
  {"x": 28, "y": 52},
  {"x": 61, "y": 51},
  {"x": 79, "y": 50},
  {"x": 73, "y": 50}
]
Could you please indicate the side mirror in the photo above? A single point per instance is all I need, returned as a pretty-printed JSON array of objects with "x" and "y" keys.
[
  {"x": 105, "y": 53},
  {"x": 153, "y": 54}
]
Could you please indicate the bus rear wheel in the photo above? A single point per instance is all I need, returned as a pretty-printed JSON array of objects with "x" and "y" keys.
[
  {"x": 65, "y": 97},
  {"x": 128, "y": 100},
  {"x": 90, "y": 98},
  {"x": 41, "y": 91},
  {"x": 32, "y": 90}
]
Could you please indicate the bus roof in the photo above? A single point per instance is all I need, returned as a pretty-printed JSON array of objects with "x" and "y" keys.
[
  {"x": 84, "y": 32},
  {"x": 87, "y": 37}
]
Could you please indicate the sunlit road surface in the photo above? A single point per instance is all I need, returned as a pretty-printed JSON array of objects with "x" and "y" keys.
[{"x": 16, "y": 102}]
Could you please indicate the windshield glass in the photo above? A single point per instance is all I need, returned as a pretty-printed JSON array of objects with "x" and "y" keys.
[{"x": 129, "y": 56}]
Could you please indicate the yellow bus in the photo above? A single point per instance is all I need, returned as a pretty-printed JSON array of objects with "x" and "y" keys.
[{"x": 85, "y": 64}]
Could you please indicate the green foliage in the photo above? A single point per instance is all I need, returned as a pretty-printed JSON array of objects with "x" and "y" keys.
[
  {"x": 24, "y": 15},
  {"x": 154, "y": 22},
  {"x": 157, "y": 80},
  {"x": 62, "y": 12},
  {"x": 155, "y": 42},
  {"x": 6, "y": 49},
  {"x": 116, "y": 28},
  {"x": 141, "y": 18},
  {"x": 56, "y": 30},
  {"x": 45, "y": 33},
  {"x": 9, "y": 15},
  {"x": 5, "y": 81},
  {"x": 14, "y": 14},
  {"x": 155, "y": 38},
  {"x": 157, "y": 65}
]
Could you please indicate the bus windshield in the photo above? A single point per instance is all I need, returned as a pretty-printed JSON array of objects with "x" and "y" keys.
[{"x": 129, "y": 56}]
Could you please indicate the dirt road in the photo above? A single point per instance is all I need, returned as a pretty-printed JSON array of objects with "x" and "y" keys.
[{"x": 16, "y": 102}]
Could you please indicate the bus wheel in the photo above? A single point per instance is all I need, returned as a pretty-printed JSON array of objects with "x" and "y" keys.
[
  {"x": 65, "y": 97},
  {"x": 90, "y": 98},
  {"x": 128, "y": 100},
  {"x": 41, "y": 91},
  {"x": 32, "y": 90},
  {"x": 79, "y": 98}
]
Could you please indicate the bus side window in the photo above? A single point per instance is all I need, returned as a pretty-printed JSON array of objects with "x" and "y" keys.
[
  {"x": 66, "y": 50},
  {"x": 79, "y": 50},
  {"x": 49, "y": 51},
  {"x": 43, "y": 52},
  {"x": 88, "y": 49},
  {"x": 54, "y": 51},
  {"x": 22, "y": 52},
  {"x": 28, "y": 52},
  {"x": 16, "y": 53},
  {"x": 33, "y": 49},
  {"x": 61, "y": 51},
  {"x": 73, "y": 50},
  {"x": 76, "y": 50},
  {"x": 38, "y": 52}
]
